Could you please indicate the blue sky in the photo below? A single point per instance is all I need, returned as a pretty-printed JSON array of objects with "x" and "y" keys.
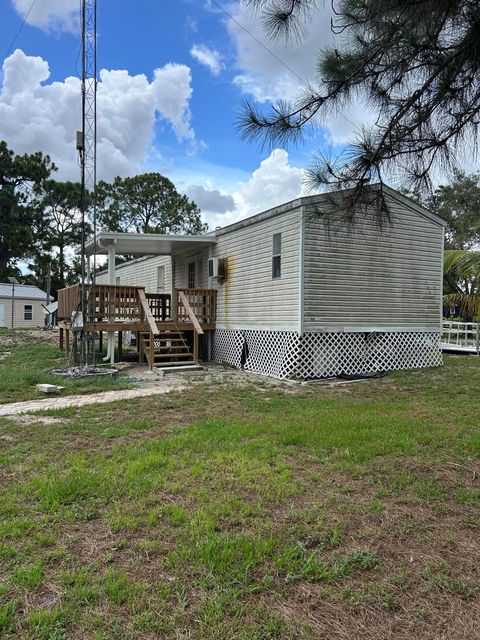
[{"x": 175, "y": 76}]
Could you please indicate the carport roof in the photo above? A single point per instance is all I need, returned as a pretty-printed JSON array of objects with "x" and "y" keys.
[{"x": 146, "y": 244}]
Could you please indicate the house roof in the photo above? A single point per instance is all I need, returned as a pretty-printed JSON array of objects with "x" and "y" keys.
[
  {"x": 146, "y": 244},
  {"x": 152, "y": 244},
  {"x": 318, "y": 199},
  {"x": 24, "y": 291}
]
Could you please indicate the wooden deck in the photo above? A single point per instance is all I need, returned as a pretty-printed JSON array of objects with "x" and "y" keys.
[{"x": 111, "y": 308}]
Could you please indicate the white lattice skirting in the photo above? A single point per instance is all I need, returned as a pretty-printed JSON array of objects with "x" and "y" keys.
[{"x": 286, "y": 354}]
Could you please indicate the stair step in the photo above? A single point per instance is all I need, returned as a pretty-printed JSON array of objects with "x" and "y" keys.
[
  {"x": 147, "y": 340},
  {"x": 189, "y": 367},
  {"x": 163, "y": 349},
  {"x": 162, "y": 337},
  {"x": 173, "y": 355},
  {"x": 177, "y": 363}
]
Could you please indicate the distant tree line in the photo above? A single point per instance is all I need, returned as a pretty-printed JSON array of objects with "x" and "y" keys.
[{"x": 40, "y": 217}]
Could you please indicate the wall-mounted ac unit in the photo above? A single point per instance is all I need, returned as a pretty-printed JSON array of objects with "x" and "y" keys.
[{"x": 217, "y": 268}]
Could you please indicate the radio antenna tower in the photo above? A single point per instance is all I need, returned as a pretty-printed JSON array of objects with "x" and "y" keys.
[{"x": 87, "y": 148}]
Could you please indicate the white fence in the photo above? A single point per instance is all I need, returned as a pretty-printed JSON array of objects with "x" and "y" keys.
[{"x": 461, "y": 336}]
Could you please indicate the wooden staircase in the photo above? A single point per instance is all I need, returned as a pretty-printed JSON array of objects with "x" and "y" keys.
[{"x": 167, "y": 351}]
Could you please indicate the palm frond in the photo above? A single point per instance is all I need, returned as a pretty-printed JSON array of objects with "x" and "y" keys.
[{"x": 462, "y": 263}]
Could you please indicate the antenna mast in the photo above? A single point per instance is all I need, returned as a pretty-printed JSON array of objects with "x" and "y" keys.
[{"x": 87, "y": 148}]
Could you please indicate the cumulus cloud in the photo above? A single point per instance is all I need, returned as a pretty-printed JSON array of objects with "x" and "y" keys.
[
  {"x": 210, "y": 200},
  {"x": 62, "y": 15},
  {"x": 274, "y": 182},
  {"x": 37, "y": 115},
  {"x": 210, "y": 58}
]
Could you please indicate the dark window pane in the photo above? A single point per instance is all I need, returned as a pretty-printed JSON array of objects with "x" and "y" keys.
[
  {"x": 276, "y": 266},
  {"x": 28, "y": 312}
]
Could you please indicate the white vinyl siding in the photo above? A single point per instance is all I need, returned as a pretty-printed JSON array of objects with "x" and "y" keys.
[
  {"x": 181, "y": 269},
  {"x": 37, "y": 315},
  {"x": 142, "y": 272},
  {"x": 373, "y": 279},
  {"x": 249, "y": 298}
]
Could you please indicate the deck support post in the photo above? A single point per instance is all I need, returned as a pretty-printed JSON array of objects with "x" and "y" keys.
[
  {"x": 61, "y": 336},
  {"x": 120, "y": 345},
  {"x": 195, "y": 346},
  {"x": 100, "y": 341}
]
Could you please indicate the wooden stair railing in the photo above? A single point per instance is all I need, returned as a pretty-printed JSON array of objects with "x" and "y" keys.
[
  {"x": 197, "y": 329},
  {"x": 154, "y": 331}
]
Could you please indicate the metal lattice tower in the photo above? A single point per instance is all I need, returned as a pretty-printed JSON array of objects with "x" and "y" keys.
[{"x": 87, "y": 146}]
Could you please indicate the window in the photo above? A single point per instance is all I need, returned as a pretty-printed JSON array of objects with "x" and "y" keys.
[
  {"x": 117, "y": 281},
  {"x": 277, "y": 256},
  {"x": 28, "y": 312},
  {"x": 191, "y": 275},
  {"x": 161, "y": 279}
]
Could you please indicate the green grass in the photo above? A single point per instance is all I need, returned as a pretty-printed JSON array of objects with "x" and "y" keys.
[
  {"x": 24, "y": 363},
  {"x": 250, "y": 512}
]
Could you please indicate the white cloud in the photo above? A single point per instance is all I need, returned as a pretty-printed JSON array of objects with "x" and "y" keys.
[
  {"x": 281, "y": 69},
  {"x": 274, "y": 182},
  {"x": 208, "y": 57},
  {"x": 262, "y": 73},
  {"x": 37, "y": 115},
  {"x": 61, "y": 15}
]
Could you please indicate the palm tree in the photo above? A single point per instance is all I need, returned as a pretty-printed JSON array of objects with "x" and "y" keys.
[{"x": 461, "y": 270}]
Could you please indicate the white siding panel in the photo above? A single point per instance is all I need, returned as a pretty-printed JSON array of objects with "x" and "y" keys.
[
  {"x": 38, "y": 317},
  {"x": 249, "y": 297},
  {"x": 142, "y": 273},
  {"x": 370, "y": 278}
]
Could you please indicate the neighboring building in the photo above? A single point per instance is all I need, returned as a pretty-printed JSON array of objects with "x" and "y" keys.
[
  {"x": 306, "y": 298},
  {"x": 28, "y": 306}
]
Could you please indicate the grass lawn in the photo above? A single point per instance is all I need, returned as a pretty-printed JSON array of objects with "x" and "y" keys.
[
  {"x": 248, "y": 512},
  {"x": 26, "y": 359}
]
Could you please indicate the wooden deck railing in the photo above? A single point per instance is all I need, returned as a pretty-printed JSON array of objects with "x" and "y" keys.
[
  {"x": 160, "y": 305},
  {"x": 127, "y": 304},
  {"x": 68, "y": 301},
  {"x": 203, "y": 303},
  {"x": 113, "y": 302}
]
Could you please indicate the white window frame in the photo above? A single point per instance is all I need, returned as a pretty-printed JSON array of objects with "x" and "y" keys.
[
  {"x": 161, "y": 279},
  {"x": 276, "y": 257},
  {"x": 30, "y": 312}
]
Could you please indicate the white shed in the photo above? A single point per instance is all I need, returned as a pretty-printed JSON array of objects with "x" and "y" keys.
[{"x": 27, "y": 303}]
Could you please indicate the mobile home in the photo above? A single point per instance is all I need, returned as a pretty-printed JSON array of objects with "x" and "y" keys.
[{"x": 298, "y": 296}]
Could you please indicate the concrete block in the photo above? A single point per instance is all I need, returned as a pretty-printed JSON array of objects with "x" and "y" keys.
[{"x": 49, "y": 388}]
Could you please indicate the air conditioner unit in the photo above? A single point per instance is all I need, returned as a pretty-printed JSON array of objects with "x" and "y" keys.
[{"x": 217, "y": 268}]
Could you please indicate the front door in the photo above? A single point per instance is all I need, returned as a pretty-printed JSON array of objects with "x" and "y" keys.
[{"x": 2, "y": 315}]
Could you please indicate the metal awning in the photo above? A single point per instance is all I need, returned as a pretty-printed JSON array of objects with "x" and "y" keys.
[{"x": 146, "y": 244}]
